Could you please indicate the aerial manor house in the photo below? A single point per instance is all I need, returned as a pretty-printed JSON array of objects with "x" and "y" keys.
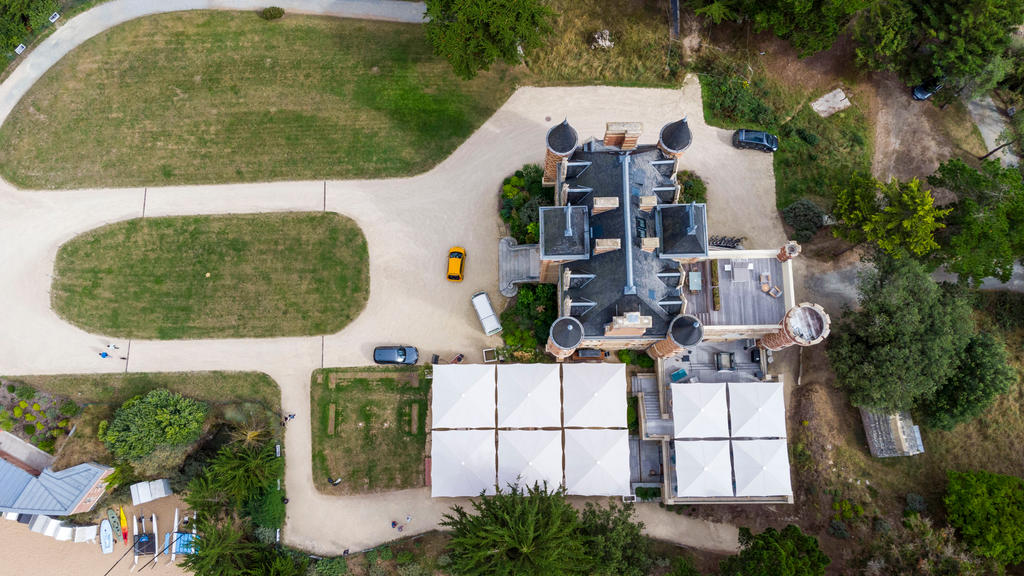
[{"x": 635, "y": 268}]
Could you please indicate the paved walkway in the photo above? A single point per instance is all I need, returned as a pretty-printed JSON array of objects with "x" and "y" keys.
[
  {"x": 991, "y": 122},
  {"x": 409, "y": 224}
]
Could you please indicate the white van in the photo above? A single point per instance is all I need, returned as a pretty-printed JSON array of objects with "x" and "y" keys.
[{"x": 485, "y": 312}]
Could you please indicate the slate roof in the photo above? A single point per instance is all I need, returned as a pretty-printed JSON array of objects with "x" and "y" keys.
[
  {"x": 562, "y": 138},
  {"x": 52, "y": 493},
  {"x": 676, "y": 136},
  {"x": 890, "y": 435}
]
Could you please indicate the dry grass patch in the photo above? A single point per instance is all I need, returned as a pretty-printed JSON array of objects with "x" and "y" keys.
[
  {"x": 214, "y": 276},
  {"x": 376, "y": 444}
]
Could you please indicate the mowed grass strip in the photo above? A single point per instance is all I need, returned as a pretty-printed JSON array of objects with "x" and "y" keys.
[
  {"x": 269, "y": 275},
  {"x": 210, "y": 96},
  {"x": 379, "y": 438}
]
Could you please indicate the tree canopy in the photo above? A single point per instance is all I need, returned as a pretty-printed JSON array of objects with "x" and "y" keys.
[
  {"x": 810, "y": 25},
  {"x": 160, "y": 419},
  {"x": 899, "y": 216},
  {"x": 532, "y": 531},
  {"x": 473, "y": 34},
  {"x": 900, "y": 345},
  {"x": 788, "y": 552},
  {"x": 962, "y": 41},
  {"x": 988, "y": 511},
  {"x": 980, "y": 374},
  {"x": 986, "y": 227}
]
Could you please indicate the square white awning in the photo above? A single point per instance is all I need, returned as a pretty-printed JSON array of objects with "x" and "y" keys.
[
  {"x": 597, "y": 462},
  {"x": 462, "y": 463},
  {"x": 758, "y": 409},
  {"x": 703, "y": 468},
  {"x": 761, "y": 467},
  {"x": 529, "y": 396},
  {"x": 526, "y": 457},
  {"x": 594, "y": 395},
  {"x": 463, "y": 396},
  {"x": 699, "y": 410}
]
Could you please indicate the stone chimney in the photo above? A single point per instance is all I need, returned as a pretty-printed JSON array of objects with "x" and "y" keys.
[
  {"x": 602, "y": 245},
  {"x": 603, "y": 204},
  {"x": 648, "y": 202},
  {"x": 630, "y": 324},
  {"x": 788, "y": 251},
  {"x": 684, "y": 330},
  {"x": 650, "y": 244},
  {"x": 622, "y": 135},
  {"x": 804, "y": 325},
  {"x": 564, "y": 337},
  {"x": 674, "y": 138},
  {"x": 561, "y": 142}
]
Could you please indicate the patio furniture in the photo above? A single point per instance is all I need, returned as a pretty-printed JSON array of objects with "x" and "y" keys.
[
  {"x": 741, "y": 274},
  {"x": 678, "y": 375},
  {"x": 490, "y": 355},
  {"x": 766, "y": 282},
  {"x": 775, "y": 292},
  {"x": 725, "y": 361}
]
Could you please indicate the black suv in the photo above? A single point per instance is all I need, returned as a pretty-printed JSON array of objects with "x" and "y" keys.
[{"x": 756, "y": 140}]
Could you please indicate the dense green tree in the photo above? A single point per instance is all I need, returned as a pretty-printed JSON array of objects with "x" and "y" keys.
[
  {"x": 159, "y": 419},
  {"x": 222, "y": 550},
  {"x": 985, "y": 233},
  {"x": 980, "y": 374},
  {"x": 473, "y": 34},
  {"x": 788, "y": 552},
  {"x": 988, "y": 511},
  {"x": 515, "y": 532},
  {"x": 899, "y": 216},
  {"x": 900, "y": 345},
  {"x": 962, "y": 41},
  {"x": 527, "y": 322},
  {"x": 245, "y": 472},
  {"x": 614, "y": 541}
]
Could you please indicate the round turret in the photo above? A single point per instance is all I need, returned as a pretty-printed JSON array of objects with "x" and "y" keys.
[{"x": 675, "y": 137}]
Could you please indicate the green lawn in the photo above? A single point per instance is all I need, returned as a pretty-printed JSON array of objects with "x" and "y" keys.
[
  {"x": 233, "y": 397},
  {"x": 214, "y": 276},
  {"x": 205, "y": 97},
  {"x": 379, "y": 438}
]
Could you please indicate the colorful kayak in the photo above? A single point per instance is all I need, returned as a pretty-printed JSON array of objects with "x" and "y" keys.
[
  {"x": 124, "y": 527},
  {"x": 115, "y": 526},
  {"x": 106, "y": 537}
]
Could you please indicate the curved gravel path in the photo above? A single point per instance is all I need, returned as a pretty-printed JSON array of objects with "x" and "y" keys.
[{"x": 409, "y": 223}]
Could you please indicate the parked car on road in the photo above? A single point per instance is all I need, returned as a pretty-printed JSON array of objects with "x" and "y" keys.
[
  {"x": 485, "y": 312},
  {"x": 927, "y": 89},
  {"x": 456, "y": 261},
  {"x": 395, "y": 355},
  {"x": 755, "y": 140}
]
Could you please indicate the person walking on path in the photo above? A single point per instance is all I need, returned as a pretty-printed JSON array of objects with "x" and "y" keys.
[
  {"x": 112, "y": 347},
  {"x": 104, "y": 355}
]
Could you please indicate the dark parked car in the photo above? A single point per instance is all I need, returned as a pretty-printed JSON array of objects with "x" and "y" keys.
[
  {"x": 926, "y": 89},
  {"x": 756, "y": 140},
  {"x": 395, "y": 355}
]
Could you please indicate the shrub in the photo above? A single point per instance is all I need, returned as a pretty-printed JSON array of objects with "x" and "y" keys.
[
  {"x": 30, "y": 429},
  {"x": 838, "y": 529},
  {"x": 46, "y": 445},
  {"x": 18, "y": 411},
  {"x": 160, "y": 418},
  {"x": 68, "y": 408},
  {"x": 62, "y": 423},
  {"x": 805, "y": 217},
  {"x": 728, "y": 96},
  {"x": 988, "y": 511},
  {"x": 915, "y": 504},
  {"x": 413, "y": 570},
  {"x": 385, "y": 553},
  {"x": 336, "y": 566},
  {"x": 694, "y": 188},
  {"x": 444, "y": 560},
  {"x": 645, "y": 494},
  {"x": 30, "y": 417},
  {"x": 36, "y": 406},
  {"x": 633, "y": 415},
  {"x": 268, "y": 509},
  {"x": 23, "y": 405},
  {"x": 636, "y": 358},
  {"x": 522, "y": 194},
  {"x": 25, "y": 393},
  {"x": 39, "y": 13},
  {"x": 405, "y": 557},
  {"x": 529, "y": 319},
  {"x": 271, "y": 13},
  {"x": 10, "y": 388},
  {"x": 809, "y": 137}
]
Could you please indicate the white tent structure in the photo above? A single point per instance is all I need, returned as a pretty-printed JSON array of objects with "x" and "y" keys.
[
  {"x": 529, "y": 396},
  {"x": 703, "y": 468},
  {"x": 526, "y": 457},
  {"x": 462, "y": 463},
  {"x": 758, "y": 409},
  {"x": 597, "y": 462},
  {"x": 594, "y": 396},
  {"x": 699, "y": 410},
  {"x": 463, "y": 396},
  {"x": 762, "y": 468}
]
